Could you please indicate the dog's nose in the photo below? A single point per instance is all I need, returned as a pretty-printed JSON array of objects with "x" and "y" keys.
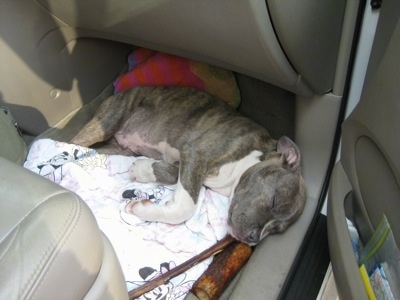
[{"x": 253, "y": 237}]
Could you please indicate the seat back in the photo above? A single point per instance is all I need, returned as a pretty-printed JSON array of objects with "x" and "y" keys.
[{"x": 12, "y": 146}]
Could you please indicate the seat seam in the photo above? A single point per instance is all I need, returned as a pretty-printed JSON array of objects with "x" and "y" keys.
[
  {"x": 30, "y": 212},
  {"x": 51, "y": 252}
]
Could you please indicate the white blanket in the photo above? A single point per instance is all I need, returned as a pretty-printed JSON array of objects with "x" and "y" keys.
[{"x": 145, "y": 249}]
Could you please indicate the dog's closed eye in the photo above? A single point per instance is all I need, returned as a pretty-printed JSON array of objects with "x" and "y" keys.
[{"x": 273, "y": 201}]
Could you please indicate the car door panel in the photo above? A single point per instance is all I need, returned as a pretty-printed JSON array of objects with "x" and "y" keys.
[{"x": 369, "y": 165}]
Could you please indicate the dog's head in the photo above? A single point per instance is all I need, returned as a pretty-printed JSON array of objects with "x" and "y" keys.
[{"x": 269, "y": 196}]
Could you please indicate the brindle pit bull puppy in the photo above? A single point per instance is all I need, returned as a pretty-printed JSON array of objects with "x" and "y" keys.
[{"x": 194, "y": 139}]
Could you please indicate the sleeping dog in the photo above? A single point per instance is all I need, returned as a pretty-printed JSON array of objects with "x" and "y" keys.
[{"x": 194, "y": 140}]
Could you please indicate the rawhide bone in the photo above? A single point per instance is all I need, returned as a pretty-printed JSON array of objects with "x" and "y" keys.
[
  {"x": 221, "y": 271},
  {"x": 163, "y": 279}
]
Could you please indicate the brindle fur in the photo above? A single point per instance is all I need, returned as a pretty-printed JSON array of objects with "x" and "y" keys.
[{"x": 192, "y": 135}]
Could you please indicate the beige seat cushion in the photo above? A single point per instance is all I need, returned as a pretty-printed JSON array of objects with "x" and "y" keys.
[{"x": 50, "y": 244}]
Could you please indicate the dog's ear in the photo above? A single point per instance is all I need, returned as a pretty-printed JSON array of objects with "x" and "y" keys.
[
  {"x": 290, "y": 152},
  {"x": 274, "y": 226}
]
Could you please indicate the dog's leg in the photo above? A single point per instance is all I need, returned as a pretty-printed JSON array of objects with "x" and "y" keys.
[
  {"x": 183, "y": 205},
  {"x": 165, "y": 172},
  {"x": 150, "y": 170},
  {"x": 177, "y": 210},
  {"x": 93, "y": 132},
  {"x": 105, "y": 123}
]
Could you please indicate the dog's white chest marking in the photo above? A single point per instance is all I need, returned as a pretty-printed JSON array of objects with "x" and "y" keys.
[{"x": 229, "y": 174}]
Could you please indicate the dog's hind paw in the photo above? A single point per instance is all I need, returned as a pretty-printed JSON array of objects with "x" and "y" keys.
[{"x": 142, "y": 170}]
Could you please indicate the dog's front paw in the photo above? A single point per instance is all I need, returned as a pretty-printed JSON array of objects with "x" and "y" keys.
[
  {"x": 142, "y": 171},
  {"x": 142, "y": 209}
]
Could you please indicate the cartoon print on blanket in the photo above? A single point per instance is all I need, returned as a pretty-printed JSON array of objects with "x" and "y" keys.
[
  {"x": 102, "y": 181},
  {"x": 82, "y": 156}
]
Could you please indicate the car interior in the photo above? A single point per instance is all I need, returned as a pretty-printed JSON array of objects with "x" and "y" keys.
[{"x": 294, "y": 65}]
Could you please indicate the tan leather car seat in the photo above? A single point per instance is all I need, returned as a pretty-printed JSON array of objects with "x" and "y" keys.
[{"x": 50, "y": 244}]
